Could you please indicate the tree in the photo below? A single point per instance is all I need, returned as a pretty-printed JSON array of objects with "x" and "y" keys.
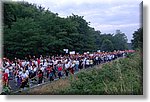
[
  {"x": 107, "y": 45},
  {"x": 30, "y": 29},
  {"x": 137, "y": 41},
  {"x": 120, "y": 41},
  {"x": 23, "y": 38},
  {"x": 9, "y": 15}
]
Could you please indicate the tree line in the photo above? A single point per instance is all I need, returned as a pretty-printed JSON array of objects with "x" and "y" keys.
[{"x": 30, "y": 29}]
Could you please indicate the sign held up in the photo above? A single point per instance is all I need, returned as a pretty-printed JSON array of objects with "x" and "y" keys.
[
  {"x": 66, "y": 50},
  {"x": 72, "y": 52}
]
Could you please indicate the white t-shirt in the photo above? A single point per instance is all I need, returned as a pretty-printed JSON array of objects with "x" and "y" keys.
[
  {"x": 27, "y": 72},
  {"x": 77, "y": 62},
  {"x": 66, "y": 60},
  {"x": 11, "y": 67},
  {"x": 41, "y": 61},
  {"x": 42, "y": 68},
  {"x": 91, "y": 61},
  {"x": 113, "y": 56},
  {"x": 69, "y": 63},
  {"x": 28, "y": 62},
  {"x": 7, "y": 71},
  {"x": 87, "y": 62},
  {"x": 13, "y": 64},
  {"x": 55, "y": 62},
  {"x": 24, "y": 75},
  {"x": 45, "y": 64},
  {"x": 35, "y": 69},
  {"x": 33, "y": 61},
  {"x": 30, "y": 68},
  {"x": 96, "y": 58},
  {"x": 67, "y": 66},
  {"x": 7, "y": 63},
  {"x": 36, "y": 63},
  {"x": 23, "y": 63},
  {"x": 20, "y": 72},
  {"x": 109, "y": 56},
  {"x": 84, "y": 61},
  {"x": 72, "y": 65}
]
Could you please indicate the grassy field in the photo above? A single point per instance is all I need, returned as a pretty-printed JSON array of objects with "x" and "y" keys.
[{"x": 120, "y": 77}]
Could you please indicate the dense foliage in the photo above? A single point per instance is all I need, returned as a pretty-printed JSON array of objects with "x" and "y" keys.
[
  {"x": 137, "y": 41},
  {"x": 107, "y": 45},
  {"x": 32, "y": 30},
  {"x": 123, "y": 76}
]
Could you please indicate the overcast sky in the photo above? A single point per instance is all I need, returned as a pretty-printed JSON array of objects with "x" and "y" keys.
[{"x": 104, "y": 15}]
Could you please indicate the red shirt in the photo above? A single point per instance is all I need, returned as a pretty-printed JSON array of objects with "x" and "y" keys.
[
  {"x": 5, "y": 76},
  {"x": 38, "y": 61},
  {"x": 60, "y": 69},
  {"x": 40, "y": 75},
  {"x": 49, "y": 69}
]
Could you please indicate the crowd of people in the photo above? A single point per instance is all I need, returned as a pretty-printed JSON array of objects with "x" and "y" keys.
[{"x": 39, "y": 69}]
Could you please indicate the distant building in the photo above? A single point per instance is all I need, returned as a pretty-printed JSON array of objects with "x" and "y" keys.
[{"x": 118, "y": 31}]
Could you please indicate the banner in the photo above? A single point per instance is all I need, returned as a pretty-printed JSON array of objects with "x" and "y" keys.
[
  {"x": 72, "y": 52},
  {"x": 66, "y": 50}
]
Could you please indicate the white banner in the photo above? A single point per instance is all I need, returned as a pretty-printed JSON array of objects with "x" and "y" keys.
[
  {"x": 72, "y": 52},
  {"x": 66, "y": 50},
  {"x": 98, "y": 50}
]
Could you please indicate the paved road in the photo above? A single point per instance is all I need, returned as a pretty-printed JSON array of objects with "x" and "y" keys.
[{"x": 14, "y": 88}]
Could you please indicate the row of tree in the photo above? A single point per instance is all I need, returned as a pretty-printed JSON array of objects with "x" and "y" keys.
[{"x": 33, "y": 30}]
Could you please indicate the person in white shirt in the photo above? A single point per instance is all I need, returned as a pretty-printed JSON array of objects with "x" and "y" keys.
[
  {"x": 42, "y": 68},
  {"x": 20, "y": 72},
  {"x": 67, "y": 65},
  {"x": 36, "y": 63},
  {"x": 45, "y": 64},
  {"x": 87, "y": 63},
  {"x": 96, "y": 59},
  {"x": 7, "y": 71},
  {"x": 55, "y": 62},
  {"x": 7, "y": 64},
  {"x": 84, "y": 63},
  {"x": 13, "y": 65},
  {"x": 91, "y": 62},
  {"x": 41, "y": 61},
  {"x": 27, "y": 72},
  {"x": 24, "y": 77},
  {"x": 23, "y": 63}
]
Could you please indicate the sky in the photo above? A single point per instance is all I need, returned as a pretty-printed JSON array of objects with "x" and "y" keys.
[{"x": 106, "y": 16}]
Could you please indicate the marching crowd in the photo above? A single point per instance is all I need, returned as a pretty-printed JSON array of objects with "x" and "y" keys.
[{"x": 39, "y": 69}]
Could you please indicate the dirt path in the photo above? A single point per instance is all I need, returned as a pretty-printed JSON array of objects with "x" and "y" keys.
[{"x": 50, "y": 88}]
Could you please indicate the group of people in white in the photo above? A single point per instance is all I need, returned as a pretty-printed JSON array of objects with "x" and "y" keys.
[{"x": 41, "y": 69}]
